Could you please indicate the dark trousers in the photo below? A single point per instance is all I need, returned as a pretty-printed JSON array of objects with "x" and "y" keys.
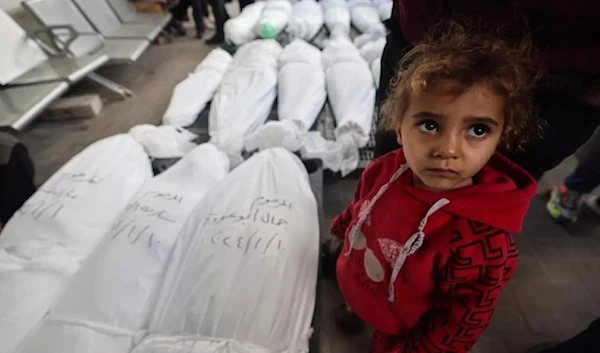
[
  {"x": 16, "y": 182},
  {"x": 244, "y": 3},
  {"x": 570, "y": 121},
  {"x": 200, "y": 9},
  {"x": 585, "y": 342},
  {"x": 583, "y": 180},
  {"x": 220, "y": 13}
]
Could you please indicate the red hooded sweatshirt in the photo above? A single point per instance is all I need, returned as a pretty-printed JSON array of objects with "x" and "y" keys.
[{"x": 425, "y": 269}]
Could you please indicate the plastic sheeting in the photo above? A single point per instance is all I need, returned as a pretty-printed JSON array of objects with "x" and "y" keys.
[
  {"x": 240, "y": 29},
  {"x": 336, "y": 15},
  {"x": 306, "y": 20},
  {"x": 274, "y": 18},
  {"x": 246, "y": 96},
  {"x": 164, "y": 141},
  {"x": 109, "y": 301},
  {"x": 301, "y": 98},
  {"x": 242, "y": 275},
  {"x": 191, "y": 95},
  {"x": 351, "y": 93},
  {"x": 58, "y": 228}
]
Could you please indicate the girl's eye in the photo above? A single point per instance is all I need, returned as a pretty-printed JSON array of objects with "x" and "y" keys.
[
  {"x": 478, "y": 131},
  {"x": 428, "y": 126}
]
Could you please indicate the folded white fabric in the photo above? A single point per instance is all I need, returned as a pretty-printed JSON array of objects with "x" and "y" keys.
[
  {"x": 306, "y": 20},
  {"x": 275, "y": 16},
  {"x": 242, "y": 275},
  {"x": 107, "y": 304},
  {"x": 191, "y": 95},
  {"x": 364, "y": 15},
  {"x": 240, "y": 29},
  {"x": 372, "y": 51},
  {"x": 385, "y": 8},
  {"x": 164, "y": 141},
  {"x": 244, "y": 100},
  {"x": 336, "y": 15},
  {"x": 376, "y": 70},
  {"x": 58, "y": 228},
  {"x": 351, "y": 93}
]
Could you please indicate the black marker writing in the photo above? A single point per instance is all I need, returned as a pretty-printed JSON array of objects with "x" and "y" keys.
[
  {"x": 245, "y": 243},
  {"x": 258, "y": 213},
  {"x": 135, "y": 232},
  {"x": 137, "y": 207},
  {"x": 167, "y": 196}
]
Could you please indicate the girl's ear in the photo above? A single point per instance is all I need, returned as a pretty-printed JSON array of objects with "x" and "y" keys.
[
  {"x": 505, "y": 135},
  {"x": 399, "y": 137}
]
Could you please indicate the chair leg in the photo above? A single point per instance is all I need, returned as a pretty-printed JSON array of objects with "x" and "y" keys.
[{"x": 124, "y": 92}]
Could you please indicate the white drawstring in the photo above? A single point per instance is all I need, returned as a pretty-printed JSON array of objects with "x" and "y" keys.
[
  {"x": 354, "y": 232},
  {"x": 412, "y": 245}
]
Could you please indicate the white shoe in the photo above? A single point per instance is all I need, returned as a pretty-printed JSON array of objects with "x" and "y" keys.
[{"x": 593, "y": 203}]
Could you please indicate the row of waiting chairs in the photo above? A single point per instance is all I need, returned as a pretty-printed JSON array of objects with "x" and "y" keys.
[{"x": 83, "y": 36}]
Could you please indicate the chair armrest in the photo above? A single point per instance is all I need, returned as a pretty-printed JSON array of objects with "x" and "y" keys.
[{"x": 59, "y": 46}]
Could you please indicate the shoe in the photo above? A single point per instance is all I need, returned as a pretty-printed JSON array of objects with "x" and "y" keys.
[
  {"x": 216, "y": 39},
  {"x": 347, "y": 321},
  {"x": 564, "y": 205},
  {"x": 199, "y": 35},
  {"x": 593, "y": 203},
  {"x": 179, "y": 29},
  {"x": 542, "y": 347}
]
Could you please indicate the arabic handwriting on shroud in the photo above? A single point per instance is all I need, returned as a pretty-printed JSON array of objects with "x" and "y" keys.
[
  {"x": 255, "y": 242},
  {"x": 50, "y": 200},
  {"x": 259, "y": 212}
]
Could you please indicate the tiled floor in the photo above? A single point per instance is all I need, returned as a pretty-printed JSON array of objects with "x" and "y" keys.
[{"x": 555, "y": 293}]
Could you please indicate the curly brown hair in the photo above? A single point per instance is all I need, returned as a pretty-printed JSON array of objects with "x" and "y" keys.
[{"x": 470, "y": 57}]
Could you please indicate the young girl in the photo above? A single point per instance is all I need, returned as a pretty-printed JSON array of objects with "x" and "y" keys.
[{"x": 427, "y": 245}]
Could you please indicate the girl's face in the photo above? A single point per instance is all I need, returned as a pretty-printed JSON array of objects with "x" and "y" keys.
[{"x": 448, "y": 138}]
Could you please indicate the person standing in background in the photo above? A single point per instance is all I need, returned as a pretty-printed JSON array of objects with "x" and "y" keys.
[
  {"x": 16, "y": 176},
  {"x": 566, "y": 200},
  {"x": 566, "y": 35},
  {"x": 221, "y": 16},
  {"x": 200, "y": 11},
  {"x": 180, "y": 15}
]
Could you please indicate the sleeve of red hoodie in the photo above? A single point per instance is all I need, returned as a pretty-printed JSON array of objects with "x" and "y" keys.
[
  {"x": 482, "y": 259},
  {"x": 342, "y": 221}
]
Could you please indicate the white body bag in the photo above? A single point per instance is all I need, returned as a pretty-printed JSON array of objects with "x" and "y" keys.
[
  {"x": 301, "y": 98},
  {"x": 306, "y": 20},
  {"x": 191, "y": 95},
  {"x": 107, "y": 305},
  {"x": 243, "y": 273},
  {"x": 246, "y": 96},
  {"x": 56, "y": 230}
]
